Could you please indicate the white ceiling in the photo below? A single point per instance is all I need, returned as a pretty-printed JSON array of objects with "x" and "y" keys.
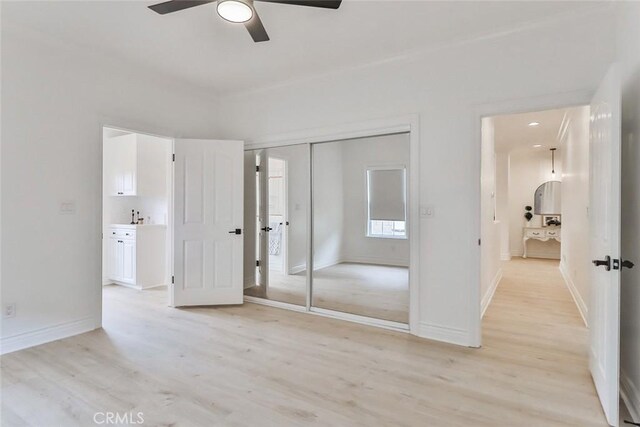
[
  {"x": 197, "y": 46},
  {"x": 512, "y": 132}
]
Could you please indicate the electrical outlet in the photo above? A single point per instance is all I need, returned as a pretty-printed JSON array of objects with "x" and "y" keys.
[{"x": 9, "y": 310}]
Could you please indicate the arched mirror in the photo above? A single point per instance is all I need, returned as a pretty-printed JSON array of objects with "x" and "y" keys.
[{"x": 547, "y": 199}]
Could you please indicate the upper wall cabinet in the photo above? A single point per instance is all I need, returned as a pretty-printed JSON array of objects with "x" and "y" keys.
[{"x": 135, "y": 165}]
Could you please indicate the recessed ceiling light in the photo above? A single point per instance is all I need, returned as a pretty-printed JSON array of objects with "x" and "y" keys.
[
  {"x": 234, "y": 11},
  {"x": 534, "y": 124},
  {"x": 537, "y": 146}
]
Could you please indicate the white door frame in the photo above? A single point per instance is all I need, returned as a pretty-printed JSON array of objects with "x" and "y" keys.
[
  {"x": 522, "y": 105},
  {"x": 169, "y": 183},
  {"x": 371, "y": 128}
]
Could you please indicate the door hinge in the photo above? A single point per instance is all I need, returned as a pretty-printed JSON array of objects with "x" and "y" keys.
[
  {"x": 257, "y": 263},
  {"x": 174, "y": 157},
  {"x": 257, "y": 168},
  {"x": 173, "y": 279},
  {"x": 479, "y": 242}
]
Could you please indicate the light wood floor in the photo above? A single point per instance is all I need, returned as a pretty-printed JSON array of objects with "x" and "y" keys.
[
  {"x": 377, "y": 291},
  {"x": 260, "y": 366}
]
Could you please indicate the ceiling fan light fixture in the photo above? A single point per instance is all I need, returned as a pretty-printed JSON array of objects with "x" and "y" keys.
[{"x": 235, "y": 11}]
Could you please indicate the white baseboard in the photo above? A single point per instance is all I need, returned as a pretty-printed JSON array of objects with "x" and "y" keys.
[
  {"x": 48, "y": 334},
  {"x": 444, "y": 333},
  {"x": 355, "y": 260},
  {"x": 486, "y": 299},
  {"x": 297, "y": 269},
  {"x": 376, "y": 261},
  {"x": 536, "y": 254},
  {"x": 505, "y": 256},
  {"x": 303, "y": 267},
  {"x": 249, "y": 282},
  {"x": 577, "y": 298},
  {"x": 631, "y": 396}
]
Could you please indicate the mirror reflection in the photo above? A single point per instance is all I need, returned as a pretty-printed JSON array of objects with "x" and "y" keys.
[
  {"x": 276, "y": 196},
  {"x": 360, "y": 227},
  {"x": 547, "y": 200}
]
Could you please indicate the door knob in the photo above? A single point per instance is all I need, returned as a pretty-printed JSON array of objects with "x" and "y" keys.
[
  {"x": 236, "y": 231},
  {"x": 606, "y": 262},
  {"x": 626, "y": 264}
]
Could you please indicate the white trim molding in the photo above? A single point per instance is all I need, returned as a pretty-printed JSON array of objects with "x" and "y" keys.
[
  {"x": 442, "y": 333},
  {"x": 48, "y": 334},
  {"x": 390, "y": 262},
  {"x": 577, "y": 298},
  {"x": 631, "y": 396},
  {"x": 488, "y": 297}
]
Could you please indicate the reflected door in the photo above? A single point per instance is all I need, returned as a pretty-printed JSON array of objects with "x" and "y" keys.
[{"x": 278, "y": 205}]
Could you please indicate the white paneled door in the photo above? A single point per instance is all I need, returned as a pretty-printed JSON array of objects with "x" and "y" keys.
[
  {"x": 604, "y": 231},
  {"x": 208, "y": 203}
]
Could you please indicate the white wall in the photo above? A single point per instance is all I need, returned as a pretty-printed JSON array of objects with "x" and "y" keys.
[
  {"x": 575, "y": 263},
  {"x": 629, "y": 56},
  {"x": 54, "y": 103},
  {"x": 502, "y": 203},
  {"x": 446, "y": 88},
  {"x": 527, "y": 170},
  {"x": 358, "y": 154},
  {"x": 491, "y": 270},
  {"x": 328, "y": 202}
]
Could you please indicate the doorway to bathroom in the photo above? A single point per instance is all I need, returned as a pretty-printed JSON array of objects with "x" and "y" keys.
[{"x": 136, "y": 217}]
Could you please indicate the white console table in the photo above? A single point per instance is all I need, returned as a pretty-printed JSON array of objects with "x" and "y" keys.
[{"x": 542, "y": 233}]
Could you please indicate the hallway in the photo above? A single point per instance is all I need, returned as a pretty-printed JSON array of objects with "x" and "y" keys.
[{"x": 534, "y": 326}]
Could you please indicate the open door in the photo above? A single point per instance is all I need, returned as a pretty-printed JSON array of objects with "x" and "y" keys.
[
  {"x": 208, "y": 203},
  {"x": 604, "y": 233}
]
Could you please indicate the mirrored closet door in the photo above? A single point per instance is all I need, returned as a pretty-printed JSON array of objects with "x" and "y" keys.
[
  {"x": 355, "y": 237},
  {"x": 276, "y": 229},
  {"x": 360, "y": 238}
]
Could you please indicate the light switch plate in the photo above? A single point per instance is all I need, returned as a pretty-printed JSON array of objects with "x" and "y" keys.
[
  {"x": 68, "y": 207},
  {"x": 9, "y": 311},
  {"x": 427, "y": 211}
]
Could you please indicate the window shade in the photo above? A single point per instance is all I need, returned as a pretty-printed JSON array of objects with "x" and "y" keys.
[{"x": 387, "y": 194}]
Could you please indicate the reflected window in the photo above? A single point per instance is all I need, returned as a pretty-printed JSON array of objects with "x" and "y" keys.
[{"x": 386, "y": 202}]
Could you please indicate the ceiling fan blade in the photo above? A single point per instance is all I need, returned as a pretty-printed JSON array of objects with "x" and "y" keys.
[
  {"x": 326, "y": 4},
  {"x": 256, "y": 29},
  {"x": 176, "y": 5}
]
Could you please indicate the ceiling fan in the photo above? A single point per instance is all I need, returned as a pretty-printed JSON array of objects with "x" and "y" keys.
[{"x": 241, "y": 11}]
